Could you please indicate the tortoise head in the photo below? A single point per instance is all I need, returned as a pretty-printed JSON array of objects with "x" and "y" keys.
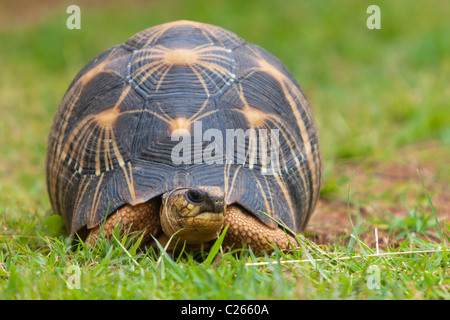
[{"x": 195, "y": 215}]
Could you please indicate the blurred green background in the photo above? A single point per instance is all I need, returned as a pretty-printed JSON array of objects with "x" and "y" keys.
[{"x": 372, "y": 91}]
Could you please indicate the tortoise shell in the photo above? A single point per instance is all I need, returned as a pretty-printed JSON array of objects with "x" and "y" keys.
[{"x": 117, "y": 129}]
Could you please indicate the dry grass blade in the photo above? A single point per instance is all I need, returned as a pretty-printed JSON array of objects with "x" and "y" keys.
[{"x": 386, "y": 254}]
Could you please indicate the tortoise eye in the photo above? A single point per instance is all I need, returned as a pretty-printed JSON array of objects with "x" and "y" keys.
[{"x": 194, "y": 196}]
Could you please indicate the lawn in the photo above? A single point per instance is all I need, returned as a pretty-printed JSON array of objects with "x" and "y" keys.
[{"x": 381, "y": 100}]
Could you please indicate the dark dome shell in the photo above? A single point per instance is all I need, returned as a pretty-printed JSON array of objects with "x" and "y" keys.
[{"x": 112, "y": 143}]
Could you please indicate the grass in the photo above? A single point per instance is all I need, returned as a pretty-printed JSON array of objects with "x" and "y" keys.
[
  {"x": 381, "y": 101},
  {"x": 112, "y": 271}
]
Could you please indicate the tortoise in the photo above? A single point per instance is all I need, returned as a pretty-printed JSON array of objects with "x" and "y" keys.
[{"x": 180, "y": 131}]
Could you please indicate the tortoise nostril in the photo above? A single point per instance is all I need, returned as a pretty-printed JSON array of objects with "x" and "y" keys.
[{"x": 218, "y": 206}]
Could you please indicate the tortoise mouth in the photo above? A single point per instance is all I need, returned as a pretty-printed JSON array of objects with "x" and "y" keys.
[
  {"x": 201, "y": 228},
  {"x": 203, "y": 219}
]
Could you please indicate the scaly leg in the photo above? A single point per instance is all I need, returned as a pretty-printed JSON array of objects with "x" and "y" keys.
[
  {"x": 244, "y": 228},
  {"x": 141, "y": 217}
]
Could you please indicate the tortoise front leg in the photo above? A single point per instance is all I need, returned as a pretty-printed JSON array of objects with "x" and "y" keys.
[
  {"x": 142, "y": 217},
  {"x": 244, "y": 228}
]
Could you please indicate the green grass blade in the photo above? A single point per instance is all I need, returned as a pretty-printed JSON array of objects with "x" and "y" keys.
[
  {"x": 125, "y": 250},
  {"x": 432, "y": 210},
  {"x": 216, "y": 247}
]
